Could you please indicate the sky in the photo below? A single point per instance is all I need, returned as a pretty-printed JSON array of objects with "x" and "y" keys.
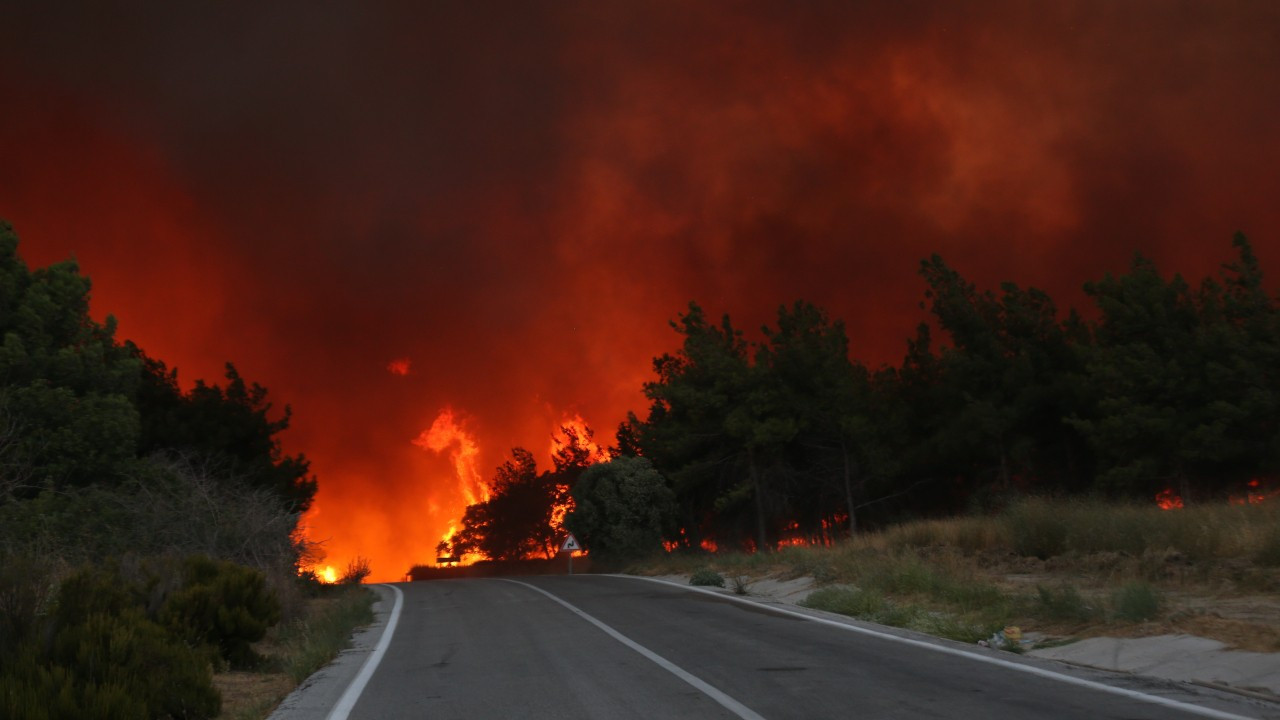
[{"x": 481, "y": 218}]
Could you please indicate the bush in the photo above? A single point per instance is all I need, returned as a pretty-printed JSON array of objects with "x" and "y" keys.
[
  {"x": 1136, "y": 602},
  {"x": 224, "y": 605},
  {"x": 97, "y": 654},
  {"x": 621, "y": 509},
  {"x": 357, "y": 570},
  {"x": 1064, "y": 603},
  {"x": 705, "y": 577},
  {"x": 862, "y": 604},
  {"x": 25, "y": 588}
]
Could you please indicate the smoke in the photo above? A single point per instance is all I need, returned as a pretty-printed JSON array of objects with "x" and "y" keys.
[{"x": 520, "y": 199}]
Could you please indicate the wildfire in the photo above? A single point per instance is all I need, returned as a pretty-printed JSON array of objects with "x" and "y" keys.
[
  {"x": 582, "y": 432},
  {"x": 328, "y": 574},
  {"x": 399, "y": 366},
  {"x": 1254, "y": 494},
  {"x": 447, "y": 432},
  {"x": 1167, "y": 499}
]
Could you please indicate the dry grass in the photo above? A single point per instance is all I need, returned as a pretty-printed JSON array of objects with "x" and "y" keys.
[
  {"x": 295, "y": 650},
  {"x": 1056, "y": 569}
]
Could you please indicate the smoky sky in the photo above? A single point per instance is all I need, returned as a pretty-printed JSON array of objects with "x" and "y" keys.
[{"x": 519, "y": 197}]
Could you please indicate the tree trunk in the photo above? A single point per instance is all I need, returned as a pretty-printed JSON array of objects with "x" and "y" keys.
[
  {"x": 1184, "y": 486},
  {"x": 762, "y": 539},
  {"x": 848, "y": 490}
]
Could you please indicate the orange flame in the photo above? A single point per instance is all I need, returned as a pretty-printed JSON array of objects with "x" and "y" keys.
[
  {"x": 328, "y": 574},
  {"x": 1168, "y": 500},
  {"x": 579, "y": 426},
  {"x": 1254, "y": 494},
  {"x": 447, "y": 432},
  {"x": 399, "y": 366}
]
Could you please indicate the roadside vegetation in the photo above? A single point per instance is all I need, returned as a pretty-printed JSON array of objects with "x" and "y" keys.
[
  {"x": 295, "y": 649},
  {"x": 149, "y": 534},
  {"x": 1057, "y": 570},
  {"x": 1161, "y": 388}
]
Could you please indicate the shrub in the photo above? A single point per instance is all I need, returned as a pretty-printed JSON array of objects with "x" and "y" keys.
[
  {"x": 1136, "y": 602},
  {"x": 1064, "y": 603},
  {"x": 862, "y": 604},
  {"x": 707, "y": 577},
  {"x": 97, "y": 654},
  {"x": 357, "y": 570},
  {"x": 25, "y": 588},
  {"x": 224, "y": 605},
  {"x": 621, "y": 509}
]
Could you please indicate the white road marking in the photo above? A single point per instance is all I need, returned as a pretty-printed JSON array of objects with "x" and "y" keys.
[
  {"x": 729, "y": 703},
  {"x": 1030, "y": 669},
  {"x": 348, "y": 700}
]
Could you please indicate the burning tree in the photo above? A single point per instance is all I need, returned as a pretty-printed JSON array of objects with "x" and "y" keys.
[{"x": 524, "y": 514}]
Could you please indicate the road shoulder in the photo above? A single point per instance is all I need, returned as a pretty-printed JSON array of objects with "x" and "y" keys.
[{"x": 319, "y": 693}]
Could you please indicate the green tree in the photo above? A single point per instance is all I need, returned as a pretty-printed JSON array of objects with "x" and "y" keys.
[
  {"x": 702, "y": 414},
  {"x": 1004, "y": 386},
  {"x": 1144, "y": 371},
  {"x": 516, "y": 521},
  {"x": 821, "y": 414},
  {"x": 1187, "y": 380},
  {"x": 232, "y": 425},
  {"x": 66, "y": 386},
  {"x": 622, "y": 509}
]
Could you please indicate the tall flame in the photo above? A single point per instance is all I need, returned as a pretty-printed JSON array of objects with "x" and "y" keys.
[{"x": 447, "y": 432}]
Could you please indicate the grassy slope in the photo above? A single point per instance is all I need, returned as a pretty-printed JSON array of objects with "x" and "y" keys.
[{"x": 1057, "y": 569}]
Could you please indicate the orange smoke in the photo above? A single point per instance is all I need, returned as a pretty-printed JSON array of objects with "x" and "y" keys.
[{"x": 399, "y": 366}]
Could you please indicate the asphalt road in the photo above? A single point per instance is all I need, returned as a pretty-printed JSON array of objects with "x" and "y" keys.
[{"x": 615, "y": 647}]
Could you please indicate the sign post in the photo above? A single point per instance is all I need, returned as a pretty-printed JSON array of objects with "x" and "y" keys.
[{"x": 570, "y": 545}]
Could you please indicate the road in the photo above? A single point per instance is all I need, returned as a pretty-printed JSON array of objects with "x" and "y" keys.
[{"x": 616, "y": 647}]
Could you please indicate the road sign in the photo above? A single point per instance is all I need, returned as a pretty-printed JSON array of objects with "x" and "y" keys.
[{"x": 570, "y": 544}]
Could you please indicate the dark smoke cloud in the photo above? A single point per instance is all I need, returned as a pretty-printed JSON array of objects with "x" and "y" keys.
[{"x": 518, "y": 200}]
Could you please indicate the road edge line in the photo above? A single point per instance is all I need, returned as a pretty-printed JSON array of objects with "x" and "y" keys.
[
  {"x": 946, "y": 649},
  {"x": 701, "y": 685},
  {"x": 343, "y": 707}
]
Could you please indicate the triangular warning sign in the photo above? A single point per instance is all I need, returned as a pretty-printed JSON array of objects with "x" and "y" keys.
[{"x": 570, "y": 544}]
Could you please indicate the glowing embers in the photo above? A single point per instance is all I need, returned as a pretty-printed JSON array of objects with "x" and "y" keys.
[
  {"x": 1167, "y": 499},
  {"x": 1255, "y": 493}
]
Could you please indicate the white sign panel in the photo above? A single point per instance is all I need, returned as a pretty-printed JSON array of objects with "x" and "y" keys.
[{"x": 570, "y": 544}]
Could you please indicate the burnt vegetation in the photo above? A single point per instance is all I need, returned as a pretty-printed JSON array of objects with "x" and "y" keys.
[
  {"x": 1169, "y": 388},
  {"x": 148, "y": 535}
]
